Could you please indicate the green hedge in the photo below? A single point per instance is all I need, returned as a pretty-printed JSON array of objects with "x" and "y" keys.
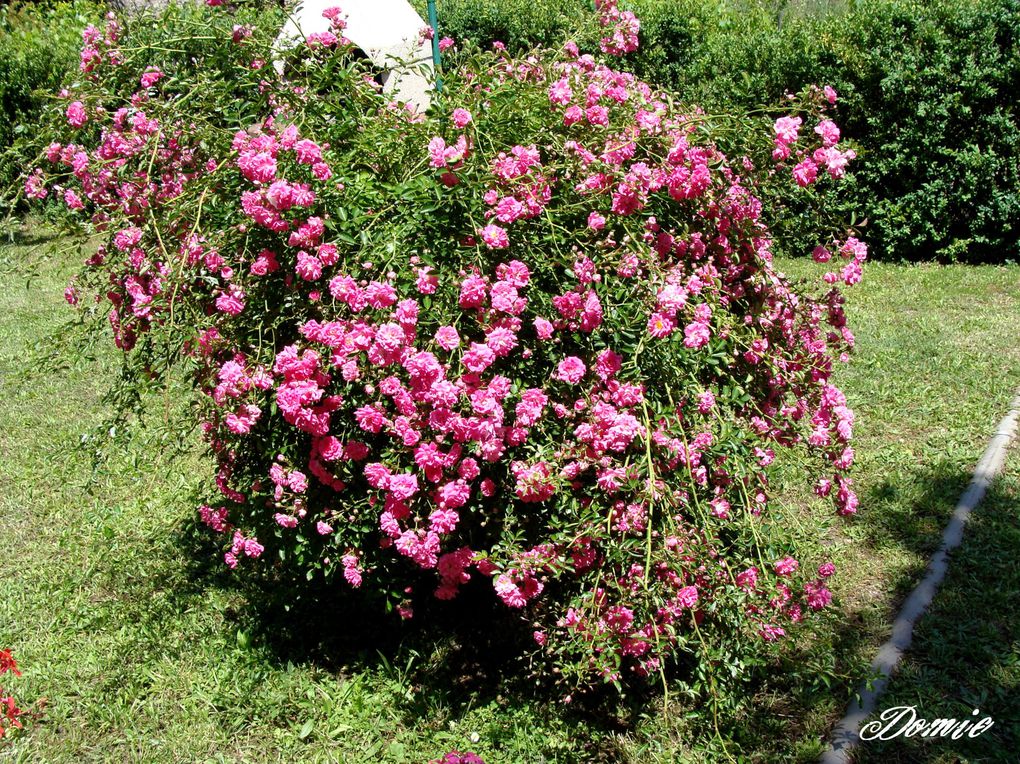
[
  {"x": 931, "y": 93},
  {"x": 39, "y": 44},
  {"x": 519, "y": 24},
  {"x": 928, "y": 92}
]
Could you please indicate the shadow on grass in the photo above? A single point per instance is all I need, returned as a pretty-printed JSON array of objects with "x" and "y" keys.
[
  {"x": 912, "y": 509},
  {"x": 966, "y": 649},
  {"x": 462, "y": 654},
  {"x": 452, "y": 656},
  {"x": 29, "y": 234}
]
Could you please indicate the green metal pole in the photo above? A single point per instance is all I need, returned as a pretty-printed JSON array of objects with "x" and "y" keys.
[{"x": 436, "y": 60}]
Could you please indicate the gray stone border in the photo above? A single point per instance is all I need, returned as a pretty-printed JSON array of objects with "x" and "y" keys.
[{"x": 845, "y": 734}]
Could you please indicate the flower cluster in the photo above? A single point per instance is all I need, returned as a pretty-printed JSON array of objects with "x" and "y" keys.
[
  {"x": 622, "y": 28},
  {"x": 455, "y": 757},
  {"x": 828, "y": 156},
  {"x": 534, "y": 341},
  {"x": 9, "y": 712}
]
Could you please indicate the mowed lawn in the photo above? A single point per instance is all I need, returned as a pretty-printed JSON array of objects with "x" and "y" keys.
[{"x": 136, "y": 649}]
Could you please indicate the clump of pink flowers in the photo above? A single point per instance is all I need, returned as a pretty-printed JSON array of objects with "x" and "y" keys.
[
  {"x": 455, "y": 757},
  {"x": 10, "y": 714},
  {"x": 551, "y": 354},
  {"x": 622, "y": 28}
]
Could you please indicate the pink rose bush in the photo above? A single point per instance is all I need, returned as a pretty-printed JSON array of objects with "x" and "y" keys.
[{"x": 533, "y": 339}]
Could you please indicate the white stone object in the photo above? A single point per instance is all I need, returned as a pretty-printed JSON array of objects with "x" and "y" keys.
[{"x": 389, "y": 33}]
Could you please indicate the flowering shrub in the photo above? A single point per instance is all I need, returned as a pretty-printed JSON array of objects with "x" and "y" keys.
[
  {"x": 9, "y": 712},
  {"x": 533, "y": 337}
]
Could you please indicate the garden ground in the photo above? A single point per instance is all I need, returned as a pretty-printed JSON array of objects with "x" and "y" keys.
[{"x": 137, "y": 652}]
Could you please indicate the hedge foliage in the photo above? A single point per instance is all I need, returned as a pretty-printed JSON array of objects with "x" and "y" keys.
[
  {"x": 39, "y": 45},
  {"x": 927, "y": 91}
]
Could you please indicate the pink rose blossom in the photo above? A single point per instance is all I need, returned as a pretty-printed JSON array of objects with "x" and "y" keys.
[
  {"x": 805, "y": 173},
  {"x": 76, "y": 116},
  {"x": 786, "y": 129},
  {"x": 829, "y": 132},
  {"x": 696, "y": 335},
  {"x": 151, "y": 76},
  {"x": 478, "y": 357},
  {"x": 494, "y": 237},
  {"x": 786, "y": 566},
  {"x": 570, "y": 370},
  {"x": 447, "y": 338},
  {"x": 660, "y": 325}
]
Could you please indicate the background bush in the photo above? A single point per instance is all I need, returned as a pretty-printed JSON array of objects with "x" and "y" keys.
[
  {"x": 927, "y": 91},
  {"x": 39, "y": 43},
  {"x": 519, "y": 24}
]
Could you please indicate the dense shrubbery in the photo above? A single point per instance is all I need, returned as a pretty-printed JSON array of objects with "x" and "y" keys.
[
  {"x": 928, "y": 91},
  {"x": 39, "y": 45},
  {"x": 534, "y": 337},
  {"x": 933, "y": 101},
  {"x": 519, "y": 24}
]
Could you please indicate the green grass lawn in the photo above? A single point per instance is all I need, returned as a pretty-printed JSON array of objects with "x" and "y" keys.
[{"x": 140, "y": 651}]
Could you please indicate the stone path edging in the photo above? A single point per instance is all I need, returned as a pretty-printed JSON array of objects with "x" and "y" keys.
[{"x": 845, "y": 734}]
